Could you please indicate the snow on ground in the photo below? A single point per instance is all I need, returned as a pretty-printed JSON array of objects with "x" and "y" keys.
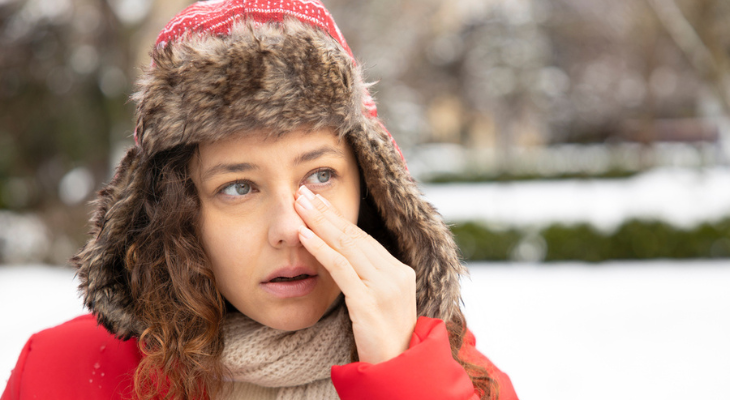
[
  {"x": 634, "y": 331},
  {"x": 33, "y": 298},
  {"x": 682, "y": 197},
  {"x": 652, "y": 330}
]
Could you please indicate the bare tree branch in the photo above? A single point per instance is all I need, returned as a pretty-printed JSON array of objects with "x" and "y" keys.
[{"x": 684, "y": 35}]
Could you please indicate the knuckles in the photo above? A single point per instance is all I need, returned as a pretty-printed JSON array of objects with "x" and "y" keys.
[
  {"x": 345, "y": 242},
  {"x": 340, "y": 262},
  {"x": 320, "y": 206},
  {"x": 353, "y": 231},
  {"x": 318, "y": 219},
  {"x": 351, "y": 234}
]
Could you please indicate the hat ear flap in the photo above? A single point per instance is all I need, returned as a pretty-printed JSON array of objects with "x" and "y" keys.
[
  {"x": 105, "y": 281},
  {"x": 425, "y": 242}
]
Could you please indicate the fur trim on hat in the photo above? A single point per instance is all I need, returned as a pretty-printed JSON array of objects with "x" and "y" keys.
[{"x": 274, "y": 77}]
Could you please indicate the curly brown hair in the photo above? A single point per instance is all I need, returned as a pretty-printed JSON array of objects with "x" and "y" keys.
[
  {"x": 175, "y": 295},
  {"x": 173, "y": 288}
]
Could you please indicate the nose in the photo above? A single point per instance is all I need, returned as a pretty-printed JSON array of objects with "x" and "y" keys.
[{"x": 285, "y": 222}]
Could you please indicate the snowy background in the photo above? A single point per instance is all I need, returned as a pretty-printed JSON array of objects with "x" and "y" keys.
[
  {"x": 630, "y": 331},
  {"x": 567, "y": 331},
  {"x": 681, "y": 197}
]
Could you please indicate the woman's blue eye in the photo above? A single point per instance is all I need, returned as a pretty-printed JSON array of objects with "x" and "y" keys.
[
  {"x": 237, "y": 189},
  {"x": 321, "y": 176}
]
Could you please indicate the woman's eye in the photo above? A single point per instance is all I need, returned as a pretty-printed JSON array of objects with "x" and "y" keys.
[
  {"x": 321, "y": 176},
  {"x": 237, "y": 189}
]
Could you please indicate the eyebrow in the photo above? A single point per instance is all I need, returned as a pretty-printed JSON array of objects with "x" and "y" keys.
[
  {"x": 317, "y": 153},
  {"x": 228, "y": 168},
  {"x": 242, "y": 167}
]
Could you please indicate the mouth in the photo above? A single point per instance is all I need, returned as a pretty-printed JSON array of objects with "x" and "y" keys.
[
  {"x": 290, "y": 282},
  {"x": 292, "y": 279}
]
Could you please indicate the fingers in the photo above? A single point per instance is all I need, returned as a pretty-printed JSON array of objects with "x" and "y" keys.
[
  {"x": 337, "y": 264},
  {"x": 380, "y": 291},
  {"x": 341, "y": 235},
  {"x": 373, "y": 250}
]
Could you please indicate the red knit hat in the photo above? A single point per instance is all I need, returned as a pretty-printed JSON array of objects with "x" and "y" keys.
[{"x": 217, "y": 17}]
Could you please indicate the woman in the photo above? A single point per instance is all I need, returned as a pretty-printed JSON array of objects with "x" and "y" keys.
[{"x": 264, "y": 239}]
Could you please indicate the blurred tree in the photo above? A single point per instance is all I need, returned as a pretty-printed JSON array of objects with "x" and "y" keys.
[
  {"x": 65, "y": 73},
  {"x": 485, "y": 74},
  {"x": 63, "y": 87},
  {"x": 703, "y": 35},
  {"x": 525, "y": 72}
]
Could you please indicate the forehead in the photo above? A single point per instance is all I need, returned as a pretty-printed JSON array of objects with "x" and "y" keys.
[{"x": 272, "y": 149}]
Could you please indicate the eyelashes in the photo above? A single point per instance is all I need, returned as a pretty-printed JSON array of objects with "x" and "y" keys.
[
  {"x": 321, "y": 176},
  {"x": 317, "y": 179},
  {"x": 238, "y": 188}
]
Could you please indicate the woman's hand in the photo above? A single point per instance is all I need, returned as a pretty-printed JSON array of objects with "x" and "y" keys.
[{"x": 380, "y": 291}]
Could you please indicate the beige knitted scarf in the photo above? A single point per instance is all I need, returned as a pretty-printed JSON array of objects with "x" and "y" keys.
[{"x": 298, "y": 363}]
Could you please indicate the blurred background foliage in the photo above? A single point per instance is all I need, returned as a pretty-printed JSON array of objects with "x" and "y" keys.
[
  {"x": 633, "y": 240},
  {"x": 493, "y": 89}
]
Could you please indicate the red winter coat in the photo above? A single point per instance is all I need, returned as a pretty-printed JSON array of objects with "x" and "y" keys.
[{"x": 80, "y": 360}]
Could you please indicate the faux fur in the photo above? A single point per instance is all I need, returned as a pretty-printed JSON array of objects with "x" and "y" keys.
[{"x": 276, "y": 78}]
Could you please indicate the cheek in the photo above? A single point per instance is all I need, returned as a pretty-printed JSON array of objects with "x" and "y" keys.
[
  {"x": 228, "y": 245},
  {"x": 350, "y": 200},
  {"x": 208, "y": 234},
  {"x": 352, "y": 211}
]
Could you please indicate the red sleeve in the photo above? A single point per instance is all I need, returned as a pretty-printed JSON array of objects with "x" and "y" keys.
[
  {"x": 425, "y": 371},
  {"x": 75, "y": 360},
  {"x": 12, "y": 390}
]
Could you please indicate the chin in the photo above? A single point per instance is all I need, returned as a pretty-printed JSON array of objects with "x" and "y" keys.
[
  {"x": 293, "y": 319},
  {"x": 291, "y": 314}
]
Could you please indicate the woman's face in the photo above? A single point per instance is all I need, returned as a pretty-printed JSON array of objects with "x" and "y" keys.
[{"x": 249, "y": 225}]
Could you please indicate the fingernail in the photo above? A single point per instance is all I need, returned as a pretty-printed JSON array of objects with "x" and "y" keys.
[
  {"x": 306, "y": 192},
  {"x": 306, "y": 232},
  {"x": 304, "y": 201},
  {"x": 327, "y": 203}
]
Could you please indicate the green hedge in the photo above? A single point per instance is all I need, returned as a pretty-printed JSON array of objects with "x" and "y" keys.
[{"x": 634, "y": 240}]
